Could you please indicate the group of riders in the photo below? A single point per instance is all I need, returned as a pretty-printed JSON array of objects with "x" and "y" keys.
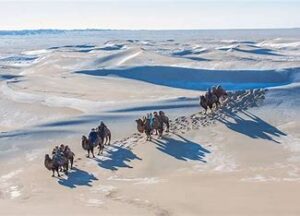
[
  {"x": 212, "y": 97},
  {"x": 62, "y": 156},
  {"x": 153, "y": 122},
  {"x": 99, "y": 137}
]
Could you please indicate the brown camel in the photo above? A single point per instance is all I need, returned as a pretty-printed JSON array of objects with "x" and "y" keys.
[
  {"x": 208, "y": 101},
  {"x": 219, "y": 92},
  {"x": 54, "y": 165},
  {"x": 104, "y": 133},
  {"x": 69, "y": 155},
  {"x": 89, "y": 146},
  {"x": 145, "y": 126}
]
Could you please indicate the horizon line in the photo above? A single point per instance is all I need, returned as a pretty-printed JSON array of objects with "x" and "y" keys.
[{"x": 124, "y": 29}]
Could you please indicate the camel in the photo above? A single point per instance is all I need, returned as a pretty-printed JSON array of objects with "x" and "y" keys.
[
  {"x": 104, "y": 133},
  {"x": 54, "y": 165},
  {"x": 219, "y": 92},
  {"x": 69, "y": 155},
  {"x": 212, "y": 98},
  {"x": 203, "y": 103},
  {"x": 209, "y": 102},
  {"x": 145, "y": 126},
  {"x": 87, "y": 145},
  {"x": 165, "y": 120}
]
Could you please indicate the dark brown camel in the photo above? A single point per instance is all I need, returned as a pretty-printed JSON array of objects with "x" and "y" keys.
[
  {"x": 104, "y": 133},
  {"x": 54, "y": 165},
  {"x": 89, "y": 146}
]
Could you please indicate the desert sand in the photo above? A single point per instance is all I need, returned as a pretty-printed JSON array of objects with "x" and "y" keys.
[{"x": 242, "y": 159}]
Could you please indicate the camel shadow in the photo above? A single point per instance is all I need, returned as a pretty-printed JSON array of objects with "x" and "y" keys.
[
  {"x": 253, "y": 126},
  {"x": 77, "y": 177},
  {"x": 118, "y": 157},
  {"x": 182, "y": 149}
]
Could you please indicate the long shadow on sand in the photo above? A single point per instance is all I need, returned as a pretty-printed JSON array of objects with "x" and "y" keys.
[
  {"x": 182, "y": 149},
  {"x": 251, "y": 126},
  {"x": 77, "y": 177},
  {"x": 118, "y": 158},
  {"x": 157, "y": 107},
  {"x": 197, "y": 79},
  {"x": 260, "y": 51}
]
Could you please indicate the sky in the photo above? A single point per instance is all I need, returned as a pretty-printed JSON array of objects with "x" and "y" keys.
[{"x": 147, "y": 14}]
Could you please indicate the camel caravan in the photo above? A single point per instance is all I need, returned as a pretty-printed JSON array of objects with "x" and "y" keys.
[
  {"x": 153, "y": 123},
  {"x": 97, "y": 138},
  {"x": 212, "y": 98},
  {"x": 62, "y": 156}
]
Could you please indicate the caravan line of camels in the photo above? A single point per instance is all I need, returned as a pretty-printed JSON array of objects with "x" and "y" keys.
[{"x": 153, "y": 123}]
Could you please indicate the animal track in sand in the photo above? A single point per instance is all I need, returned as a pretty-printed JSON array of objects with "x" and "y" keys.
[{"x": 235, "y": 102}]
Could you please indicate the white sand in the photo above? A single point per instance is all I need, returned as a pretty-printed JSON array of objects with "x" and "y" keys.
[{"x": 241, "y": 160}]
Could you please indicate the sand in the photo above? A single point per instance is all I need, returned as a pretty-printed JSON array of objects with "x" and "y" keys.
[{"x": 242, "y": 159}]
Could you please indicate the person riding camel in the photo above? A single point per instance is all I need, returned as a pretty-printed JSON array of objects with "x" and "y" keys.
[
  {"x": 58, "y": 154},
  {"x": 93, "y": 136},
  {"x": 161, "y": 113},
  {"x": 62, "y": 148},
  {"x": 151, "y": 119},
  {"x": 55, "y": 150},
  {"x": 214, "y": 89},
  {"x": 67, "y": 149},
  {"x": 208, "y": 95}
]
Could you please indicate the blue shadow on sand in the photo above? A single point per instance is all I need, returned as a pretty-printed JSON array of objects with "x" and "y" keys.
[
  {"x": 157, "y": 107},
  {"x": 259, "y": 51},
  {"x": 8, "y": 76},
  {"x": 118, "y": 158},
  {"x": 198, "y": 79},
  {"x": 33, "y": 132},
  {"x": 182, "y": 149},
  {"x": 253, "y": 127},
  {"x": 77, "y": 177}
]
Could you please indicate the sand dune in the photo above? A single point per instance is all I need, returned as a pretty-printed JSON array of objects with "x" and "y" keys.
[{"x": 242, "y": 159}]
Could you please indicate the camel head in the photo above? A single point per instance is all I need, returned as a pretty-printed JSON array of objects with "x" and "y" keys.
[
  {"x": 47, "y": 157},
  {"x": 140, "y": 125},
  {"x": 139, "y": 121}
]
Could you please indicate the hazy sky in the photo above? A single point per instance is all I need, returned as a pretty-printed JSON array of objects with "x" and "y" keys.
[{"x": 155, "y": 14}]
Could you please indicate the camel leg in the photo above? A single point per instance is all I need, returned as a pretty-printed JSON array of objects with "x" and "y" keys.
[
  {"x": 92, "y": 150},
  {"x": 100, "y": 149},
  {"x": 160, "y": 133},
  {"x": 109, "y": 139},
  {"x": 71, "y": 161},
  {"x": 66, "y": 168},
  {"x": 168, "y": 127},
  {"x": 53, "y": 173},
  {"x": 58, "y": 175}
]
